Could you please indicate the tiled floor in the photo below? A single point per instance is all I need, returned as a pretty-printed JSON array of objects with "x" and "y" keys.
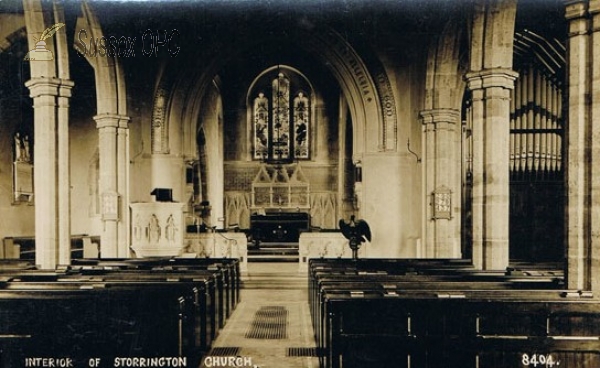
[{"x": 265, "y": 353}]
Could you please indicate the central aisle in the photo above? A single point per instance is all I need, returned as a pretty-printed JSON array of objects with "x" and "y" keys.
[{"x": 271, "y": 325}]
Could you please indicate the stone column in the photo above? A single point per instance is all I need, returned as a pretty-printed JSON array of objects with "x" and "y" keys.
[
  {"x": 215, "y": 180},
  {"x": 594, "y": 10},
  {"x": 491, "y": 109},
  {"x": 583, "y": 145},
  {"x": 442, "y": 181},
  {"x": 123, "y": 228},
  {"x": 64, "y": 174},
  {"x": 576, "y": 168},
  {"x": 51, "y": 173},
  {"x": 111, "y": 209}
]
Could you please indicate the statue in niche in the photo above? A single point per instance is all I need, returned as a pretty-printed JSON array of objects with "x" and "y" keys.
[
  {"x": 170, "y": 229},
  {"x": 22, "y": 170},
  {"x": 22, "y": 148},
  {"x": 137, "y": 229},
  {"x": 153, "y": 229},
  {"x": 18, "y": 147},
  {"x": 26, "y": 152}
]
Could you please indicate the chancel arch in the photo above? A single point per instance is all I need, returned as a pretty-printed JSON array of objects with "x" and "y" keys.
[
  {"x": 366, "y": 87},
  {"x": 369, "y": 105}
]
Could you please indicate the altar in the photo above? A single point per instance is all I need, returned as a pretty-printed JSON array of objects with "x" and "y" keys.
[{"x": 278, "y": 226}]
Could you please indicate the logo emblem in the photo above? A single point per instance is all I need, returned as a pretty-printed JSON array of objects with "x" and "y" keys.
[{"x": 41, "y": 53}]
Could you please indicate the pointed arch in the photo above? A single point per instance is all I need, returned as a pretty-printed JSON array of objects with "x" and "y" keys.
[
  {"x": 365, "y": 85},
  {"x": 113, "y": 132}
]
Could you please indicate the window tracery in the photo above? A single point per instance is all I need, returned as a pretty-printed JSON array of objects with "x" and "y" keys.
[{"x": 281, "y": 118}]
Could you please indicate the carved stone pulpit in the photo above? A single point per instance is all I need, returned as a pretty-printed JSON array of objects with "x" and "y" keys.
[{"x": 157, "y": 229}]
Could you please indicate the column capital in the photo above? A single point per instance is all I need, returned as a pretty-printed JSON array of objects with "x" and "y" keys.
[
  {"x": 575, "y": 9},
  {"x": 124, "y": 121},
  {"x": 495, "y": 77},
  {"x": 440, "y": 115},
  {"x": 111, "y": 121},
  {"x": 47, "y": 86}
]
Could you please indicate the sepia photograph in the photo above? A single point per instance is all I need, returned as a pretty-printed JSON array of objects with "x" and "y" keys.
[{"x": 300, "y": 183}]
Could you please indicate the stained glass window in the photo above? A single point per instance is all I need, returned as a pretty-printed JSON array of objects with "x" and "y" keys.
[
  {"x": 261, "y": 126},
  {"x": 281, "y": 119},
  {"x": 301, "y": 124}
]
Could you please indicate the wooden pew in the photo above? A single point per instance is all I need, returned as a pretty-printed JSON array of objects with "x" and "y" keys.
[
  {"x": 229, "y": 265},
  {"x": 202, "y": 301},
  {"x": 11, "y": 265},
  {"x": 457, "y": 268},
  {"x": 462, "y": 318},
  {"x": 196, "y": 330},
  {"x": 392, "y": 284},
  {"x": 404, "y": 269},
  {"x": 477, "y": 329},
  {"x": 226, "y": 269},
  {"x": 23, "y": 247},
  {"x": 78, "y": 320}
]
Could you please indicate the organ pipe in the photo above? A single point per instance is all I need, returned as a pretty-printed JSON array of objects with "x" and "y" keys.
[
  {"x": 523, "y": 137},
  {"x": 536, "y": 124},
  {"x": 544, "y": 123},
  {"x": 538, "y": 104},
  {"x": 530, "y": 118}
]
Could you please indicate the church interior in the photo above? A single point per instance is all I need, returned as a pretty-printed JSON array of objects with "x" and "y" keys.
[{"x": 303, "y": 183}]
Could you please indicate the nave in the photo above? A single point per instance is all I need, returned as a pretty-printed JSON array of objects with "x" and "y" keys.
[{"x": 271, "y": 325}]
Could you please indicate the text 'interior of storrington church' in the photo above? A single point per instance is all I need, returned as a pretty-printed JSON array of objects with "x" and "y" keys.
[{"x": 309, "y": 183}]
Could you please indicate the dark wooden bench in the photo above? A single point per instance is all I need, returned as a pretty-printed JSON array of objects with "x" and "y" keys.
[
  {"x": 394, "y": 284},
  {"x": 202, "y": 315},
  {"x": 78, "y": 320},
  {"x": 226, "y": 270},
  {"x": 394, "y": 287},
  {"x": 10, "y": 265},
  {"x": 472, "y": 329},
  {"x": 197, "y": 324},
  {"x": 23, "y": 247},
  {"x": 364, "y": 316},
  {"x": 183, "y": 323},
  {"x": 455, "y": 270}
]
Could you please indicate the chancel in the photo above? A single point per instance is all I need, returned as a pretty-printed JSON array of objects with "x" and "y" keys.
[{"x": 173, "y": 175}]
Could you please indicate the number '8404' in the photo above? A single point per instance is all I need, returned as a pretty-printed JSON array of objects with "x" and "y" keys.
[{"x": 543, "y": 360}]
